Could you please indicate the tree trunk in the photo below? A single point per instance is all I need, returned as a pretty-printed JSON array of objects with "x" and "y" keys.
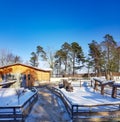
[{"x": 73, "y": 64}]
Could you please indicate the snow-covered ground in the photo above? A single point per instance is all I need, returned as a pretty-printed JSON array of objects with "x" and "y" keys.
[
  {"x": 9, "y": 96},
  {"x": 15, "y": 101},
  {"x": 86, "y": 96}
]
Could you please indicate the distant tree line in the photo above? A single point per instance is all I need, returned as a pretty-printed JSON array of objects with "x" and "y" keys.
[{"x": 102, "y": 57}]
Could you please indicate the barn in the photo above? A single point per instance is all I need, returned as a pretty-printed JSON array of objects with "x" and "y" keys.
[{"x": 18, "y": 71}]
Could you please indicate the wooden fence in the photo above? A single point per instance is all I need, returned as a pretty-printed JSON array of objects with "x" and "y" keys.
[
  {"x": 18, "y": 113},
  {"x": 76, "y": 110},
  {"x": 106, "y": 87}
]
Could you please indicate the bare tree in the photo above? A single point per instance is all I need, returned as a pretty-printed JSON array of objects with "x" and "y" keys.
[
  {"x": 50, "y": 57},
  {"x": 7, "y": 58}
]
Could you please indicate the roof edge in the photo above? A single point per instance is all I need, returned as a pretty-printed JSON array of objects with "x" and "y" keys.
[{"x": 25, "y": 66}]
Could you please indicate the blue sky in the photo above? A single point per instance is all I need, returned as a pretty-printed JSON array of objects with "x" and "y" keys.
[{"x": 24, "y": 24}]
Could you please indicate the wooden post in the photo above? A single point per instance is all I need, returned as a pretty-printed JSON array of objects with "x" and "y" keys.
[
  {"x": 72, "y": 111},
  {"x": 91, "y": 83},
  {"x": 114, "y": 92},
  {"x": 96, "y": 85},
  {"x": 102, "y": 89},
  {"x": 14, "y": 113}
]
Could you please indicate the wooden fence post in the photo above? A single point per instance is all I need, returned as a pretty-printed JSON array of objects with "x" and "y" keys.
[
  {"x": 114, "y": 92},
  {"x": 14, "y": 113},
  {"x": 102, "y": 89}
]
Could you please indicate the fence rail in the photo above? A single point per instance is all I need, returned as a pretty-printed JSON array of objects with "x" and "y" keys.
[
  {"x": 76, "y": 110},
  {"x": 108, "y": 89},
  {"x": 18, "y": 113}
]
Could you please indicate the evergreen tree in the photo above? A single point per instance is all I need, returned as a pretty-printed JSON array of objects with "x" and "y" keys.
[
  {"x": 76, "y": 56},
  {"x": 96, "y": 56}
]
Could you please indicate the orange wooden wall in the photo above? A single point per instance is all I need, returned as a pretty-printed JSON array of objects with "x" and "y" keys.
[{"x": 35, "y": 74}]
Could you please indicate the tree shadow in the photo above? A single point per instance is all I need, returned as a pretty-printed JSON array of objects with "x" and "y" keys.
[
  {"x": 49, "y": 108},
  {"x": 96, "y": 95}
]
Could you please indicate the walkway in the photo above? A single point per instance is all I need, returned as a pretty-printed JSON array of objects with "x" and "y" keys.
[{"x": 48, "y": 108}]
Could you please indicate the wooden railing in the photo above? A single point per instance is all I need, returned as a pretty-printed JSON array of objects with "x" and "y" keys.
[
  {"x": 18, "y": 113},
  {"x": 65, "y": 100},
  {"x": 77, "y": 110},
  {"x": 7, "y": 83},
  {"x": 114, "y": 88}
]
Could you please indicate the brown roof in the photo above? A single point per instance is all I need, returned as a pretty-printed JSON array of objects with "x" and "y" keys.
[{"x": 25, "y": 66}]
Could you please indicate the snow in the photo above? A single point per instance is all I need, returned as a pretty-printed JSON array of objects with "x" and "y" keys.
[
  {"x": 6, "y": 82},
  {"x": 117, "y": 84},
  {"x": 86, "y": 96},
  {"x": 81, "y": 96},
  {"x": 48, "y": 108},
  {"x": 9, "y": 97}
]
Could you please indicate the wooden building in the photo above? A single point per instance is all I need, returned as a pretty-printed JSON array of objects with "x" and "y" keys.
[{"x": 31, "y": 74}]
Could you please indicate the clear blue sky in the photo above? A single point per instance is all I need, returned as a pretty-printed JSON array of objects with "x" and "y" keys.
[{"x": 24, "y": 24}]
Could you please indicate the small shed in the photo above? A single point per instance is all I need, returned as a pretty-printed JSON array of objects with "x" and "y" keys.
[{"x": 31, "y": 74}]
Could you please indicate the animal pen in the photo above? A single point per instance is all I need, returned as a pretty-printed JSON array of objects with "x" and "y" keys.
[{"x": 89, "y": 110}]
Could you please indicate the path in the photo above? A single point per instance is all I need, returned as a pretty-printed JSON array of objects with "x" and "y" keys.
[{"x": 48, "y": 108}]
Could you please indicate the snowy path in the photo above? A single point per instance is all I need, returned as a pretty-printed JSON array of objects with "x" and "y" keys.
[{"x": 48, "y": 108}]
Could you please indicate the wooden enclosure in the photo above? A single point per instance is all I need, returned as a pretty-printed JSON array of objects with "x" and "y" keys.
[{"x": 31, "y": 74}]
